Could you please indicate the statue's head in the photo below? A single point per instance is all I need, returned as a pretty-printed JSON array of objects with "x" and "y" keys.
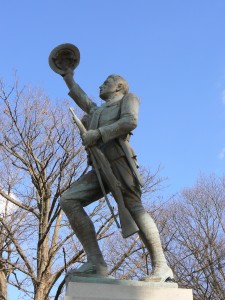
[{"x": 112, "y": 86}]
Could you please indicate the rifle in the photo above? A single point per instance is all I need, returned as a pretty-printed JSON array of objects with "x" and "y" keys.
[{"x": 100, "y": 162}]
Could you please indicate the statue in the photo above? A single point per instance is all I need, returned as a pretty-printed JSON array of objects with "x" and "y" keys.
[{"x": 108, "y": 129}]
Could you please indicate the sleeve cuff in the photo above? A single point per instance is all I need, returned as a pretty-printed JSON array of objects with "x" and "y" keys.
[{"x": 104, "y": 135}]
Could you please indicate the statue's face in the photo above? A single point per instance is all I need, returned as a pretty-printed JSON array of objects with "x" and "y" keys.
[{"x": 108, "y": 89}]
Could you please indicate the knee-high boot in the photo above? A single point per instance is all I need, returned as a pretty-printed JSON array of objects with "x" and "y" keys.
[
  {"x": 85, "y": 232},
  {"x": 151, "y": 239}
]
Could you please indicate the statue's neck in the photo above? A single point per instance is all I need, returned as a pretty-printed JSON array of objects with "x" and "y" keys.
[{"x": 115, "y": 98}]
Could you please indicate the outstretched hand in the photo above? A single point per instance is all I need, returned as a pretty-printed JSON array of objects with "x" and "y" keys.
[
  {"x": 68, "y": 72},
  {"x": 91, "y": 137}
]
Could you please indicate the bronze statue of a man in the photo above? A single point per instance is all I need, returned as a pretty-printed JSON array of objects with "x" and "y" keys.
[{"x": 109, "y": 127}]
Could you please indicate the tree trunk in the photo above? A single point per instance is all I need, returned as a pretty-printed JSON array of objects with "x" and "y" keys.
[
  {"x": 3, "y": 286},
  {"x": 41, "y": 291}
]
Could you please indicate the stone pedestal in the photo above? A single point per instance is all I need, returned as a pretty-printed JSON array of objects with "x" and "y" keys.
[{"x": 107, "y": 288}]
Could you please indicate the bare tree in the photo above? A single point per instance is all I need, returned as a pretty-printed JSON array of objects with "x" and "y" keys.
[
  {"x": 40, "y": 146},
  {"x": 194, "y": 233},
  {"x": 12, "y": 216}
]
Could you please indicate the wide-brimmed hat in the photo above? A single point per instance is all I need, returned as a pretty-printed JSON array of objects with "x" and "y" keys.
[{"x": 64, "y": 57}]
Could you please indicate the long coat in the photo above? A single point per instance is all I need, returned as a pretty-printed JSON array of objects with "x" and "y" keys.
[{"x": 115, "y": 121}]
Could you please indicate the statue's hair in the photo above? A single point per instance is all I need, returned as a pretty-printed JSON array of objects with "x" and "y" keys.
[{"x": 120, "y": 79}]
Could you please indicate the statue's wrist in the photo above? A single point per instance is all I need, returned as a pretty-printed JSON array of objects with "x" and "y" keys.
[
  {"x": 98, "y": 134},
  {"x": 68, "y": 75},
  {"x": 68, "y": 78}
]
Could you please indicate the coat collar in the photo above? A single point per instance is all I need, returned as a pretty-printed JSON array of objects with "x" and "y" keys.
[{"x": 113, "y": 101}]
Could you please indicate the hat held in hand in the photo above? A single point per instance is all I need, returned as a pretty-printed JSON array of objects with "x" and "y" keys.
[{"x": 64, "y": 58}]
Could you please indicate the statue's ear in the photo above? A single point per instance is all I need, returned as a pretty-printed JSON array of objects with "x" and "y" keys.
[{"x": 119, "y": 87}]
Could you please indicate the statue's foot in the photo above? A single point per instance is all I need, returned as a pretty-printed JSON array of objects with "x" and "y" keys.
[
  {"x": 90, "y": 269},
  {"x": 160, "y": 274}
]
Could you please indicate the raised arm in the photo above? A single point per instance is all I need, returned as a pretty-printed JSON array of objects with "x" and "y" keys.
[{"x": 78, "y": 95}]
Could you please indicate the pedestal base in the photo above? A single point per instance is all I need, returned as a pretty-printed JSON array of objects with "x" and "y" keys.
[{"x": 106, "y": 288}]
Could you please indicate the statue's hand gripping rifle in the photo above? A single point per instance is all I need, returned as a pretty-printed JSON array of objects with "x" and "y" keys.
[{"x": 100, "y": 162}]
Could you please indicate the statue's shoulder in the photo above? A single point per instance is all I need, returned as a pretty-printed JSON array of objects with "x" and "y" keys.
[{"x": 130, "y": 97}]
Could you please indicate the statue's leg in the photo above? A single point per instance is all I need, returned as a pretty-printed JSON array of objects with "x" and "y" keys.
[
  {"x": 147, "y": 227},
  {"x": 150, "y": 236},
  {"x": 82, "y": 193}
]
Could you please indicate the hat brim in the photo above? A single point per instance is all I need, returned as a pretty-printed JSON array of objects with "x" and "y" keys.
[{"x": 63, "y": 57}]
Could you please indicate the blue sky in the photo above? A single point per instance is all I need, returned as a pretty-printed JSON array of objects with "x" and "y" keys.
[{"x": 171, "y": 52}]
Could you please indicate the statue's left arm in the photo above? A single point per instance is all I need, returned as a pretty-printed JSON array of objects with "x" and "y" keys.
[{"x": 126, "y": 123}]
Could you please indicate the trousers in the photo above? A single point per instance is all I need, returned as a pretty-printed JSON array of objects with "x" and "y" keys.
[{"x": 87, "y": 189}]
